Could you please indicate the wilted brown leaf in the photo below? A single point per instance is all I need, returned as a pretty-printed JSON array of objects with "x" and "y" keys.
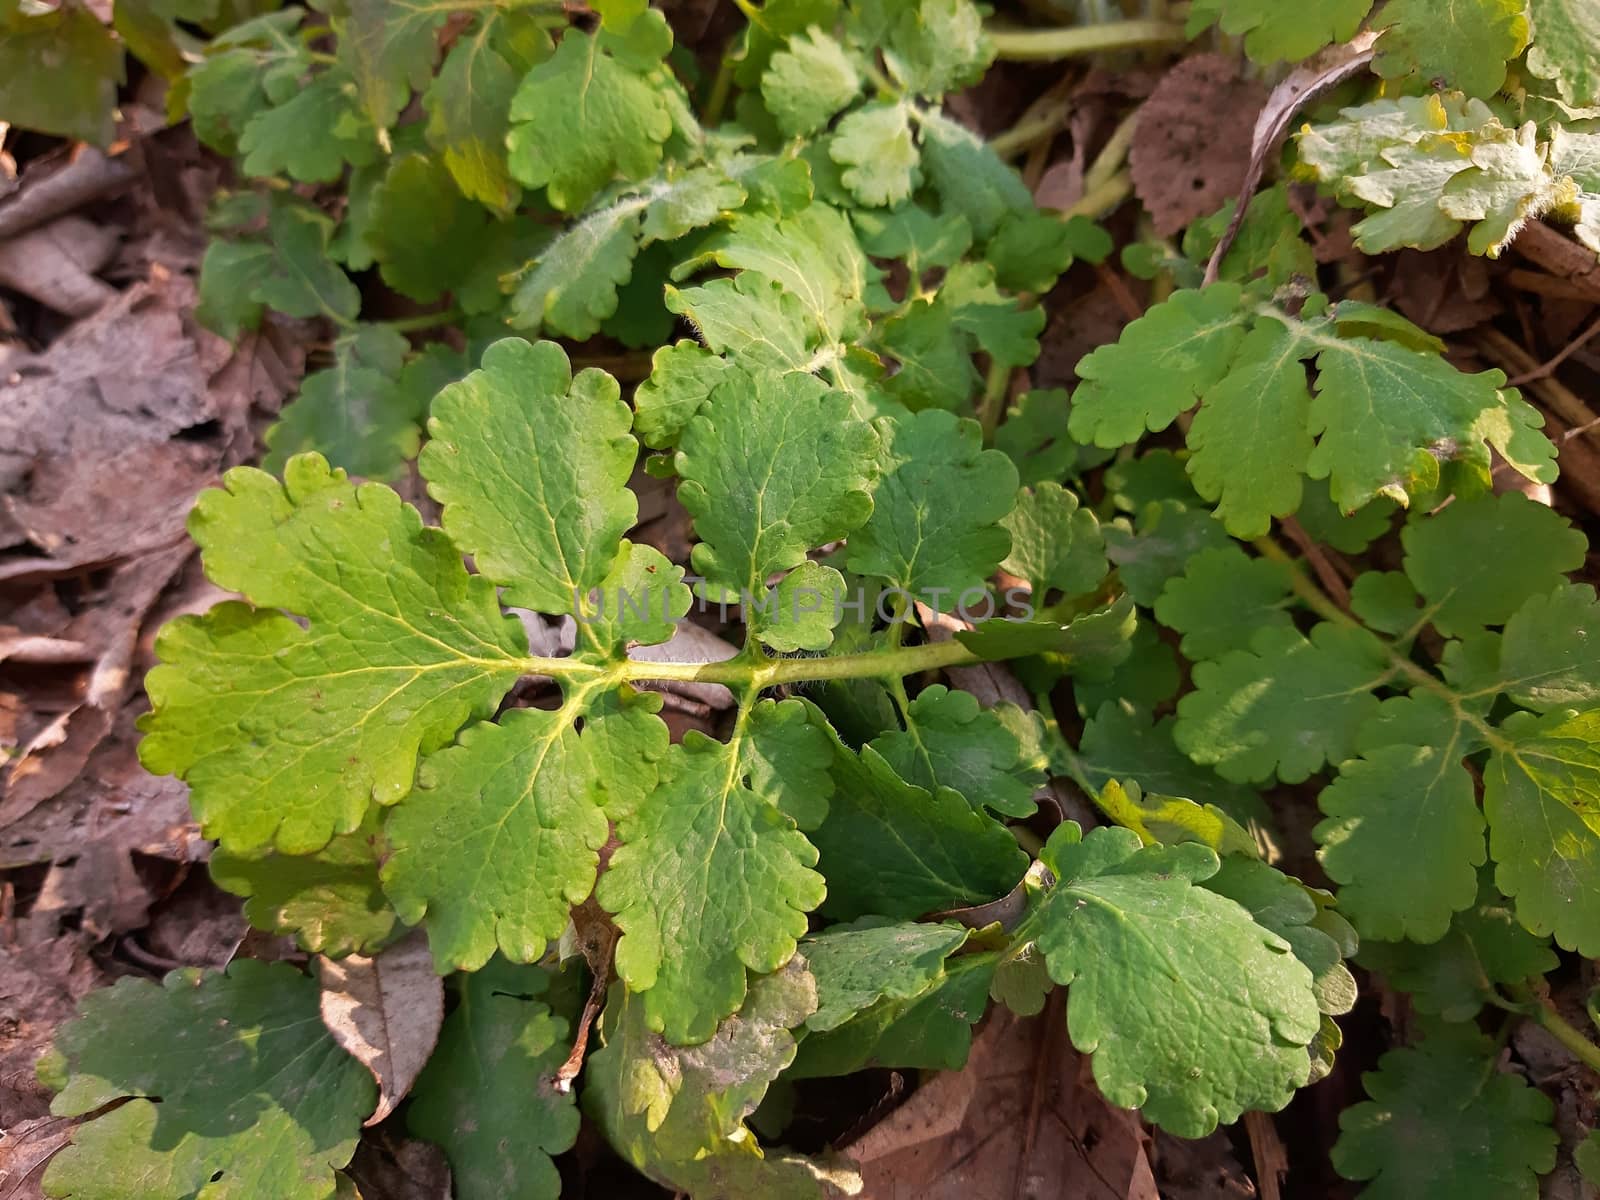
[
  {"x": 386, "y": 1012},
  {"x": 1023, "y": 1121},
  {"x": 1187, "y": 156},
  {"x": 24, "y": 1150}
]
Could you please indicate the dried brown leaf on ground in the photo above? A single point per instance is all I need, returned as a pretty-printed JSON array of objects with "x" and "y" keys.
[
  {"x": 138, "y": 371},
  {"x": 1187, "y": 156},
  {"x": 1023, "y": 1121},
  {"x": 1444, "y": 291},
  {"x": 113, "y": 801},
  {"x": 197, "y": 925},
  {"x": 43, "y": 973},
  {"x": 55, "y": 755},
  {"x": 90, "y": 510},
  {"x": 56, "y": 265},
  {"x": 61, "y": 182},
  {"x": 386, "y": 1012},
  {"x": 24, "y": 1150},
  {"x": 1206, "y": 1169}
]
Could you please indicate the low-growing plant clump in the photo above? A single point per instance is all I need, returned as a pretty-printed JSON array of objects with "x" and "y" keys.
[{"x": 836, "y": 283}]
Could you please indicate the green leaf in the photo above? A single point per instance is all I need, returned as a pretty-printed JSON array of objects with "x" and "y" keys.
[
  {"x": 1274, "y": 32},
  {"x": 424, "y": 233},
  {"x": 1348, "y": 533},
  {"x": 1006, "y": 331},
  {"x": 934, "y": 528},
  {"x": 937, "y": 46},
  {"x": 499, "y": 840},
  {"x": 750, "y": 319},
  {"x": 389, "y": 49},
  {"x": 682, "y": 377},
  {"x": 1444, "y": 1121},
  {"x": 892, "y": 849},
  {"x": 545, "y": 526},
  {"x": 949, "y": 742},
  {"x": 1169, "y": 534},
  {"x": 1222, "y": 599},
  {"x": 1300, "y": 915},
  {"x": 329, "y": 901},
  {"x": 1055, "y": 544},
  {"x": 1382, "y": 408},
  {"x": 353, "y": 414},
  {"x": 469, "y": 106},
  {"x": 931, "y": 1030},
  {"x": 874, "y": 145},
  {"x": 787, "y": 755},
  {"x": 246, "y": 69},
  {"x": 1285, "y": 706},
  {"x": 255, "y": 1097},
  {"x": 1193, "y": 1012},
  {"x": 1031, "y": 250},
  {"x": 808, "y": 81},
  {"x": 933, "y": 356},
  {"x": 487, "y": 1096},
  {"x": 1533, "y": 548},
  {"x": 969, "y": 177},
  {"x": 1034, "y": 435},
  {"x": 286, "y": 733},
  {"x": 910, "y": 232},
  {"x": 1123, "y": 743},
  {"x": 590, "y": 113},
  {"x": 1464, "y": 44},
  {"x": 59, "y": 71},
  {"x": 1550, "y": 654},
  {"x": 1249, "y": 442},
  {"x": 1455, "y": 976},
  {"x": 812, "y": 254},
  {"x": 1404, "y": 839},
  {"x": 1566, "y": 40},
  {"x": 1162, "y": 364},
  {"x": 872, "y": 959},
  {"x": 229, "y": 273},
  {"x": 678, "y": 1114},
  {"x": 292, "y": 272},
  {"x": 312, "y": 135},
  {"x": 711, "y": 880},
  {"x": 1541, "y": 794},
  {"x": 789, "y": 441},
  {"x": 801, "y": 612},
  {"x": 571, "y": 287},
  {"x": 1148, "y": 677}
]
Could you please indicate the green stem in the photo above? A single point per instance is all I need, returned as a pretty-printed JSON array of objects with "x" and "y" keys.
[
  {"x": 1025, "y": 133},
  {"x": 721, "y": 87},
  {"x": 1049, "y": 45},
  {"x": 1543, "y": 1013},
  {"x": 994, "y": 398},
  {"x": 1113, "y": 155},
  {"x": 759, "y": 672},
  {"x": 449, "y": 316},
  {"x": 1318, "y": 601},
  {"x": 1104, "y": 198}
]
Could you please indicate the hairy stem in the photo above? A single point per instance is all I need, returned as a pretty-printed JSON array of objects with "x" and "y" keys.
[
  {"x": 762, "y": 672},
  {"x": 1049, "y": 45}
]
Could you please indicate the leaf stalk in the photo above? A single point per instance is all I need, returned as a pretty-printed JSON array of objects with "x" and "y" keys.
[{"x": 1051, "y": 45}]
